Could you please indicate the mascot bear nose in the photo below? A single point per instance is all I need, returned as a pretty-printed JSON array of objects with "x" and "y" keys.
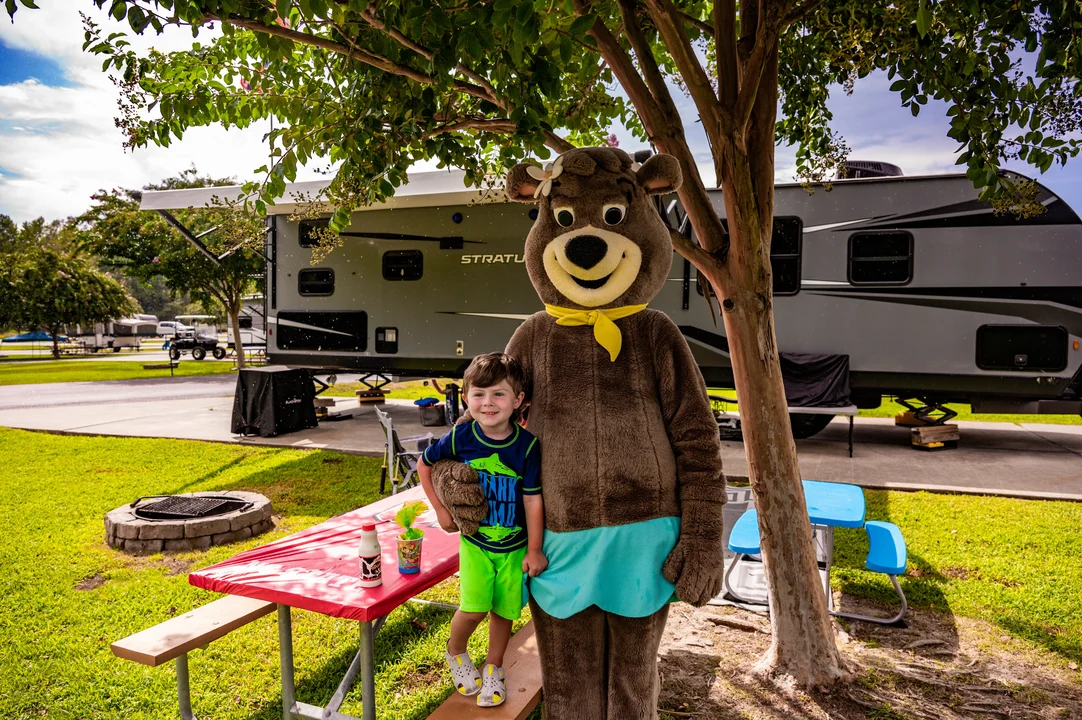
[{"x": 586, "y": 250}]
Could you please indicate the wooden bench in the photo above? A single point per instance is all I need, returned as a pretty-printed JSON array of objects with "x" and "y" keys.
[
  {"x": 170, "y": 366},
  {"x": 176, "y": 637},
  {"x": 522, "y": 666}
]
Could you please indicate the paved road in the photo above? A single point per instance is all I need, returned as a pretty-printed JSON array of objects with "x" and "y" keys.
[{"x": 1027, "y": 460}]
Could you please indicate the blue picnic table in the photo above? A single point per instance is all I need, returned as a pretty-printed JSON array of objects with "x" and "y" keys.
[{"x": 830, "y": 505}]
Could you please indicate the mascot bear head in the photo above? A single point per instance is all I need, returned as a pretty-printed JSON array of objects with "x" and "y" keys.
[{"x": 598, "y": 241}]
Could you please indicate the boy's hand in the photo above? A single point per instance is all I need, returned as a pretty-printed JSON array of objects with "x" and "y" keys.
[
  {"x": 534, "y": 563},
  {"x": 445, "y": 521}
]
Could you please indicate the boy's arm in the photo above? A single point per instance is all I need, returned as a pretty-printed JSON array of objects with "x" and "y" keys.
[{"x": 535, "y": 561}]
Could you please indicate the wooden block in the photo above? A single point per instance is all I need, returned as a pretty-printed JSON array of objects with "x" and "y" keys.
[
  {"x": 323, "y": 402},
  {"x": 176, "y": 636},
  {"x": 935, "y": 433},
  {"x": 522, "y": 667}
]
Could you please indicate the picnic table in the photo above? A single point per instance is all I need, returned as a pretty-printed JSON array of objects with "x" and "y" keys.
[
  {"x": 317, "y": 570},
  {"x": 830, "y": 505}
]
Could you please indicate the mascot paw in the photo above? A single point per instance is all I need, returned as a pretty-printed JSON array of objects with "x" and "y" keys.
[
  {"x": 696, "y": 567},
  {"x": 459, "y": 489}
]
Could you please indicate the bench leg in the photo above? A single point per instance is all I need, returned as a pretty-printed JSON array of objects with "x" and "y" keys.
[
  {"x": 184, "y": 696},
  {"x": 368, "y": 670},
  {"x": 850, "y": 436},
  {"x": 881, "y": 621}
]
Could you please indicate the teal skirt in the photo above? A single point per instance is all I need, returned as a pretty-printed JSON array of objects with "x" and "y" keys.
[{"x": 616, "y": 568}]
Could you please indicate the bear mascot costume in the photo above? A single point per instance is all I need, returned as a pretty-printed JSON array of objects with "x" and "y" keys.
[{"x": 630, "y": 452}]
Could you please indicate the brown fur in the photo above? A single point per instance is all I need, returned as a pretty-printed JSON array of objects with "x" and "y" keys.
[{"x": 622, "y": 441}]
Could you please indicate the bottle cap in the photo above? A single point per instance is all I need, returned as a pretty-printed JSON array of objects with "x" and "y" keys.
[{"x": 368, "y": 526}]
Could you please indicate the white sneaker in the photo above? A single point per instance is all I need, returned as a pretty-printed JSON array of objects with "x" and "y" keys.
[
  {"x": 493, "y": 689},
  {"x": 464, "y": 674}
]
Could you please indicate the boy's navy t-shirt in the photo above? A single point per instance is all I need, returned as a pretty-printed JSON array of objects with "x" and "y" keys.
[{"x": 508, "y": 468}]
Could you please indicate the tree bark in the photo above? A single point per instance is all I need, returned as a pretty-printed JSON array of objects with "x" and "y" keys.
[
  {"x": 234, "y": 320},
  {"x": 55, "y": 332}
]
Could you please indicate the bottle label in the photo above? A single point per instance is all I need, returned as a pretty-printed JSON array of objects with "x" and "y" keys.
[{"x": 371, "y": 568}]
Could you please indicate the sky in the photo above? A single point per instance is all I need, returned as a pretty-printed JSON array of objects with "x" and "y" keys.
[{"x": 59, "y": 143}]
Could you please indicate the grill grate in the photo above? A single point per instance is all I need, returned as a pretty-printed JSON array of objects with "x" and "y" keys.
[{"x": 179, "y": 508}]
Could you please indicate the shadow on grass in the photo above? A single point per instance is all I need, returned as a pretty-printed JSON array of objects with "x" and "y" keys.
[
  {"x": 921, "y": 582},
  {"x": 405, "y": 628}
]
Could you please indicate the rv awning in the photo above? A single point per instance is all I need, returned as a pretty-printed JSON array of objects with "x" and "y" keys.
[{"x": 428, "y": 189}]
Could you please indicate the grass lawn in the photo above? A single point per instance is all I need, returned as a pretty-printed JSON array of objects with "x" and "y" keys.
[
  {"x": 72, "y": 370},
  {"x": 411, "y": 390},
  {"x": 67, "y": 595}
]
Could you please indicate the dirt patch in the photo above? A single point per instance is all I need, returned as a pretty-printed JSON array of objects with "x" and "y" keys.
[
  {"x": 956, "y": 573},
  {"x": 90, "y": 583},
  {"x": 938, "y": 668}
]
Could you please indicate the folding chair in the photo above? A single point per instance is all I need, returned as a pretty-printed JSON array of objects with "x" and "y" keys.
[{"x": 399, "y": 463}]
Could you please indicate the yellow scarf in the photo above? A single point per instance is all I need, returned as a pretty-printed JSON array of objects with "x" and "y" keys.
[{"x": 605, "y": 331}]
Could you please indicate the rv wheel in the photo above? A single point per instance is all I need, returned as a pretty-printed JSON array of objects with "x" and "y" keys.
[
  {"x": 219, "y": 353},
  {"x": 198, "y": 353},
  {"x": 805, "y": 425}
]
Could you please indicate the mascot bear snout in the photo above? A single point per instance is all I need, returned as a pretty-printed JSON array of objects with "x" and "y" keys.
[{"x": 591, "y": 266}]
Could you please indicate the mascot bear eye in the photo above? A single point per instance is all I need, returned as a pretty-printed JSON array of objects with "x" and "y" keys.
[
  {"x": 614, "y": 214},
  {"x": 565, "y": 216}
]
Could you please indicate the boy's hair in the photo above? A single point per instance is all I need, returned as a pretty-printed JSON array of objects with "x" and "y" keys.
[{"x": 491, "y": 368}]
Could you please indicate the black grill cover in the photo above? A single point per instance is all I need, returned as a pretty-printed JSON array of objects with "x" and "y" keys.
[
  {"x": 273, "y": 400},
  {"x": 814, "y": 380}
]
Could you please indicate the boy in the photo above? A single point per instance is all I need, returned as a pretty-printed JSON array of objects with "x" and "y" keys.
[{"x": 507, "y": 545}]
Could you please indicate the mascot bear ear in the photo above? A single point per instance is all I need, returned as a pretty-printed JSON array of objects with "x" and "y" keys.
[
  {"x": 521, "y": 186},
  {"x": 659, "y": 175}
]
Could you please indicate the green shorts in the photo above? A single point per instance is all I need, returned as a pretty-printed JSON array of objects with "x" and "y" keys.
[{"x": 491, "y": 581}]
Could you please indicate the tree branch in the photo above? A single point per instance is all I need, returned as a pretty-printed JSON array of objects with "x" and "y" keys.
[
  {"x": 800, "y": 11},
  {"x": 766, "y": 37},
  {"x": 369, "y": 15},
  {"x": 356, "y": 53},
  {"x": 557, "y": 143},
  {"x": 725, "y": 48},
  {"x": 624, "y": 69},
  {"x": 698, "y": 82},
  {"x": 499, "y": 125},
  {"x": 483, "y": 82},
  {"x": 696, "y": 22},
  {"x": 647, "y": 62},
  {"x": 749, "y": 26}
]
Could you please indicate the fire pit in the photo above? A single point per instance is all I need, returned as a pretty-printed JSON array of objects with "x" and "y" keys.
[{"x": 178, "y": 523}]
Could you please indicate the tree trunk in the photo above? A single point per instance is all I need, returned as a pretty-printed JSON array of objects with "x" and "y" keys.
[
  {"x": 802, "y": 648},
  {"x": 55, "y": 332},
  {"x": 234, "y": 321}
]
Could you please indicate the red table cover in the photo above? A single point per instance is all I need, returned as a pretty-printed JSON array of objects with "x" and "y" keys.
[{"x": 318, "y": 569}]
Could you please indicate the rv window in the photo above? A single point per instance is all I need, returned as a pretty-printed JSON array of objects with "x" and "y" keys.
[
  {"x": 880, "y": 258},
  {"x": 786, "y": 243},
  {"x": 403, "y": 264},
  {"x": 1022, "y": 347},
  {"x": 245, "y": 322},
  {"x": 785, "y": 246},
  {"x": 322, "y": 331},
  {"x": 307, "y": 232},
  {"x": 318, "y": 281}
]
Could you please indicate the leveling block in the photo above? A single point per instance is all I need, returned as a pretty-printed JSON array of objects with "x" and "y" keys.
[
  {"x": 935, "y": 437},
  {"x": 371, "y": 396}
]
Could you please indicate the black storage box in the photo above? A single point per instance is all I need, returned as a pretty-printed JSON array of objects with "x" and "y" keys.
[{"x": 273, "y": 400}]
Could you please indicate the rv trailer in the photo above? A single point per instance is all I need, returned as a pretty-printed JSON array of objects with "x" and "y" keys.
[{"x": 930, "y": 294}]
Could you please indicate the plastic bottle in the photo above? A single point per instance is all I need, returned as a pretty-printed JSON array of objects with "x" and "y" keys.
[{"x": 369, "y": 553}]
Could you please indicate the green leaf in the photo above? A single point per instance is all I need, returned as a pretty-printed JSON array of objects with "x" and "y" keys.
[
  {"x": 582, "y": 25},
  {"x": 898, "y": 85},
  {"x": 119, "y": 10},
  {"x": 924, "y": 18}
]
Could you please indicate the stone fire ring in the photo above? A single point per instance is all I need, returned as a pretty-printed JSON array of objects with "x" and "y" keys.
[{"x": 126, "y": 532}]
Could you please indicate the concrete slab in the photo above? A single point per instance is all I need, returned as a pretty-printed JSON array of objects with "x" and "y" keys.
[{"x": 1020, "y": 460}]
